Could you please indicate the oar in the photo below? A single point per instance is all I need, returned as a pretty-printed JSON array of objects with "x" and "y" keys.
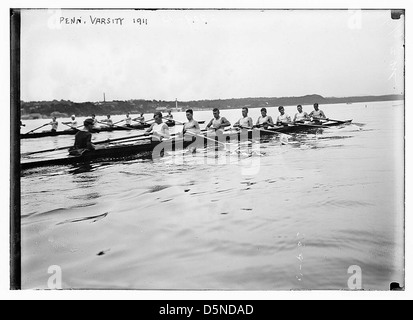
[
  {"x": 201, "y": 136},
  {"x": 70, "y": 126},
  {"x": 37, "y": 128},
  {"x": 95, "y": 143},
  {"x": 123, "y": 128},
  {"x": 339, "y": 121}
]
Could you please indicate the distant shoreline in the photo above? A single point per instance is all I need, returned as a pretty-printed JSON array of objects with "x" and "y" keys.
[{"x": 63, "y": 109}]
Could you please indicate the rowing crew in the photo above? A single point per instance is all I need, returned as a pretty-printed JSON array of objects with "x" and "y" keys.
[
  {"x": 283, "y": 119},
  {"x": 160, "y": 130}
]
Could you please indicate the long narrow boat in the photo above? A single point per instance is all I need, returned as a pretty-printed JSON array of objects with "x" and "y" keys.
[
  {"x": 71, "y": 132},
  {"x": 125, "y": 150}
]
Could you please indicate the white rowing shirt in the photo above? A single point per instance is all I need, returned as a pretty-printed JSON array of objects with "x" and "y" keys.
[
  {"x": 73, "y": 124},
  {"x": 284, "y": 119},
  {"x": 54, "y": 125},
  {"x": 301, "y": 116},
  {"x": 128, "y": 121},
  {"x": 262, "y": 120},
  {"x": 246, "y": 122},
  {"x": 160, "y": 131},
  {"x": 317, "y": 114}
]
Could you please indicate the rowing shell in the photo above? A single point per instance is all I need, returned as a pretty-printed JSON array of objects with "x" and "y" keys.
[
  {"x": 147, "y": 148},
  {"x": 74, "y": 131}
]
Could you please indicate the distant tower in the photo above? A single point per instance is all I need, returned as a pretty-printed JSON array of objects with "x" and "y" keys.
[
  {"x": 104, "y": 97},
  {"x": 176, "y": 103}
]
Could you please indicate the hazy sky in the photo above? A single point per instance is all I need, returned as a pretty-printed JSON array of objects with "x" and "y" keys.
[{"x": 194, "y": 55}]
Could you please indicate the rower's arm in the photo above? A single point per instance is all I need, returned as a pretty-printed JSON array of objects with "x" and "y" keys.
[
  {"x": 237, "y": 124},
  {"x": 225, "y": 123},
  {"x": 210, "y": 124},
  {"x": 148, "y": 132},
  {"x": 323, "y": 116},
  {"x": 270, "y": 121},
  {"x": 89, "y": 144}
]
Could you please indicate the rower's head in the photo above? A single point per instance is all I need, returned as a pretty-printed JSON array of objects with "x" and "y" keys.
[
  {"x": 216, "y": 113},
  {"x": 142, "y": 114},
  {"x": 93, "y": 116},
  {"x": 316, "y": 106},
  {"x": 300, "y": 108},
  {"x": 169, "y": 112},
  {"x": 264, "y": 112},
  {"x": 158, "y": 117},
  {"x": 190, "y": 114},
  {"x": 73, "y": 117},
  {"x": 128, "y": 115},
  {"x": 108, "y": 116},
  {"x": 245, "y": 112},
  {"x": 88, "y": 123},
  {"x": 54, "y": 119},
  {"x": 282, "y": 110}
]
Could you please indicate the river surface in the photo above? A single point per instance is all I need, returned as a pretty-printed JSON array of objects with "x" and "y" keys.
[{"x": 271, "y": 217}]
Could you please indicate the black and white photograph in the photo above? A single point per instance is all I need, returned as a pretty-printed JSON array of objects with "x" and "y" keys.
[{"x": 204, "y": 149}]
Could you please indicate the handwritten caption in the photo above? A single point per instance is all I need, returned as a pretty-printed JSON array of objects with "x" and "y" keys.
[{"x": 93, "y": 20}]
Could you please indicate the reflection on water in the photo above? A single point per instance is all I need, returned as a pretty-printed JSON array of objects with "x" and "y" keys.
[{"x": 266, "y": 217}]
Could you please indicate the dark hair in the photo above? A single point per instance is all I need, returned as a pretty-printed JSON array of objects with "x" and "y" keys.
[
  {"x": 190, "y": 111},
  {"x": 316, "y": 105},
  {"x": 299, "y": 106},
  {"x": 88, "y": 122},
  {"x": 264, "y": 110},
  {"x": 157, "y": 114},
  {"x": 215, "y": 110},
  {"x": 281, "y": 108},
  {"x": 245, "y": 108}
]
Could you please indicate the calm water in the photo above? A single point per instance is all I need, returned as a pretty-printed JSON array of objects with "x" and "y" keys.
[{"x": 291, "y": 216}]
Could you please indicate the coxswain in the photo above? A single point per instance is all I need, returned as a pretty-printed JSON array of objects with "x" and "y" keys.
[
  {"x": 317, "y": 115},
  {"x": 159, "y": 130},
  {"x": 283, "y": 119},
  {"x": 218, "y": 124},
  {"x": 191, "y": 128},
  {"x": 83, "y": 139},
  {"x": 73, "y": 123},
  {"x": 245, "y": 122},
  {"x": 265, "y": 120}
]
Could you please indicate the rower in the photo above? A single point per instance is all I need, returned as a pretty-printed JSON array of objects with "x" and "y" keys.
[
  {"x": 108, "y": 121},
  {"x": 54, "y": 124},
  {"x": 21, "y": 124},
  {"x": 301, "y": 116},
  {"x": 265, "y": 120},
  {"x": 140, "y": 119},
  {"x": 317, "y": 115},
  {"x": 95, "y": 121},
  {"x": 159, "y": 130},
  {"x": 245, "y": 122},
  {"x": 128, "y": 120},
  {"x": 169, "y": 116},
  {"x": 219, "y": 123},
  {"x": 83, "y": 139},
  {"x": 73, "y": 123},
  {"x": 191, "y": 128},
  {"x": 283, "y": 119}
]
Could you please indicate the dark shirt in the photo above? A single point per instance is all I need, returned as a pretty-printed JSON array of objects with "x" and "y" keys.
[{"x": 83, "y": 140}]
